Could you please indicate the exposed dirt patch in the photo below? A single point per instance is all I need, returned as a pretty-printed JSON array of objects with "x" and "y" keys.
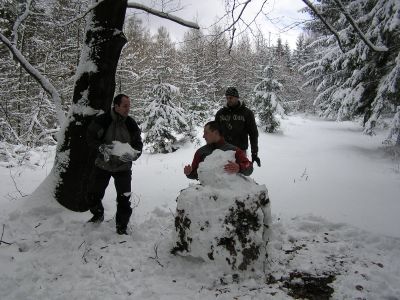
[{"x": 307, "y": 286}]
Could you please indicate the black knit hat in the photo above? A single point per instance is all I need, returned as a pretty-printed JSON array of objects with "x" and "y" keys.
[{"x": 232, "y": 91}]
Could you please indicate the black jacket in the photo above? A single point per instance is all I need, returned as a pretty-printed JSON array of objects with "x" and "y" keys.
[
  {"x": 96, "y": 135},
  {"x": 237, "y": 125}
]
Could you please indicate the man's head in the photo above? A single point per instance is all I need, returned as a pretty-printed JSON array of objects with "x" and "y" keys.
[
  {"x": 122, "y": 104},
  {"x": 212, "y": 132},
  {"x": 232, "y": 96}
]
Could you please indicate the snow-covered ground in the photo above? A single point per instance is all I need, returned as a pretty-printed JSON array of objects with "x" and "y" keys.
[{"x": 334, "y": 197}]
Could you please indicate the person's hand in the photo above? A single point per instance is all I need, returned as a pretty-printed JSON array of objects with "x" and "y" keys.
[
  {"x": 255, "y": 158},
  {"x": 127, "y": 157},
  {"x": 187, "y": 169},
  {"x": 231, "y": 167},
  {"x": 106, "y": 151}
]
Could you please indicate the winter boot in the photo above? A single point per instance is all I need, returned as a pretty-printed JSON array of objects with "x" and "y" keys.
[
  {"x": 98, "y": 213},
  {"x": 97, "y": 218},
  {"x": 121, "y": 230}
]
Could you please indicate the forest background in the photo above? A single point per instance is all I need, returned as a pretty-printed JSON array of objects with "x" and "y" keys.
[{"x": 178, "y": 86}]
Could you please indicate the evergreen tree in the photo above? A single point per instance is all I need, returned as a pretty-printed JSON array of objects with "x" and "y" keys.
[
  {"x": 133, "y": 71},
  {"x": 359, "y": 81},
  {"x": 241, "y": 75},
  {"x": 218, "y": 65},
  {"x": 192, "y": 78},
  {"x": 268, "y": 101},
  {"x": 164, "y": 118}
]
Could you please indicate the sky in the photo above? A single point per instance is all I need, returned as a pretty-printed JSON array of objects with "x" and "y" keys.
[{"x": 280, "y": 16}]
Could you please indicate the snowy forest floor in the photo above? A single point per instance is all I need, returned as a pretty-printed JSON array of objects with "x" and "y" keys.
[{"x": 334, "y": 197}]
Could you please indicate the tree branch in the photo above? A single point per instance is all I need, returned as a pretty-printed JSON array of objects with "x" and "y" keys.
[
  {"x": 42, "y": 80},
  {"x": 240, "y": 15},
  {"x": 371, "y": 46},
  {"x": 82, "y": 15},
  {"x": 164, "y": 15},
  {"x": 19, "y": 21},
  {"x": 328, "y": 26}
]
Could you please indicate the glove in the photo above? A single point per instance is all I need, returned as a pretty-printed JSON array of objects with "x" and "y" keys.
[
  {"x": 127, "y": 157},
  {"x": 255, "y": 158},
  {"x": 106, "y": 150}
]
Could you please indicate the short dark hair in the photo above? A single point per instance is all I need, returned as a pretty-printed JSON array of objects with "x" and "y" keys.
[
  {"x": 214, "y": 125},
  {"x": 118, "y": 99}
]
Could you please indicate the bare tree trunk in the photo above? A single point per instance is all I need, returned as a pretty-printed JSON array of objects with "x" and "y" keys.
[{"x": 94, "y": 91}]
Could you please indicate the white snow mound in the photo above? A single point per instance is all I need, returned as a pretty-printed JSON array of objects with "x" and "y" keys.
[{"x": 224, "y": 219}]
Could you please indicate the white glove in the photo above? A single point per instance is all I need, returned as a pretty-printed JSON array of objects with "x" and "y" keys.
[{"x": 106, "y": 151}]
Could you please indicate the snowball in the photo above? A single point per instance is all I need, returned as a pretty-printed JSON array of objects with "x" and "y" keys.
[{"x": 120, "y": 149}]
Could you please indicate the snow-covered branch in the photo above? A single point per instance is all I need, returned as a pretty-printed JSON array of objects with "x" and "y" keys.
[
  {"x": 19, "y": 21},
  {"x": 326, "y": 23},
  {"x": 42, "y": 80},
  {"x": 82, "y": 15},
  {"x": 132, "y": 4},
  {"x": 358, "y": 30}
]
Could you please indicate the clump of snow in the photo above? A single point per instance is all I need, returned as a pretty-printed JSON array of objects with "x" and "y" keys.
[
  {"x": 211, "y": 171},
  {"x": 225, "y": 219},
  {"x": 120, "y": 149}
]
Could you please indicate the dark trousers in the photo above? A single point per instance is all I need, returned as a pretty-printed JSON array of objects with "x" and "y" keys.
[{"x": 99, "y": 182}]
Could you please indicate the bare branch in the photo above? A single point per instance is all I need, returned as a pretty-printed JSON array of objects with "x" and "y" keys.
[
  {"x": 18, "y": 22},
  {"x": 82, "y": 15},
  {"x": 240, "y": 15},
  {"x": 43, "y": 81},
  {"x": 163, "y": 15},
  {"x": 358, "y": 30},
  {"x": 326, "y": 23}
]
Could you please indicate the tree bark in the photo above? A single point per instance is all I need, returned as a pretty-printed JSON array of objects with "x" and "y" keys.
[{"x": 93, "y": 92}]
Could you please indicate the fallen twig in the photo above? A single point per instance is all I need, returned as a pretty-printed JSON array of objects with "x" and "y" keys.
[
  {"x": 156, "y": 258},
  {"x": 1, "y": 238}
]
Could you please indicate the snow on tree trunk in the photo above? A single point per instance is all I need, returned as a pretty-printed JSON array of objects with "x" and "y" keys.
[
  {"x": 225, "y": 219},
  {"x": 93, "y": 93}
]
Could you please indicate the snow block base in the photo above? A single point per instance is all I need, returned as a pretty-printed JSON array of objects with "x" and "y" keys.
[{"x": 229, "y": 227}]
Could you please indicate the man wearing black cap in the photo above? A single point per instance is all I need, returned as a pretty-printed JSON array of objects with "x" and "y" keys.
[{"x": 238, "y": 124}]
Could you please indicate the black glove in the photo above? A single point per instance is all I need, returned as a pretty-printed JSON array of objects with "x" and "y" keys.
[
  {"x": 255, "y": 158},
  {"x": 106, "y": 151}
]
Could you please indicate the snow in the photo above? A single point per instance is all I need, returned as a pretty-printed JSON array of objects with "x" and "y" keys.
[
  {"x": 42, "y": 80},
  {"x": 334, "y": 200},
  {"x": 223, "y": 219},
  {"x": 120, "y": 149},
  {"x": 211, "y": 172}
]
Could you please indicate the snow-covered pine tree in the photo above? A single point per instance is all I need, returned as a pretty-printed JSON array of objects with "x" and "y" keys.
[
  {"x": 394, "y": 132},
  {"x": 360, "y": 81},
  {"x": 299, "y": 97},
  {"x": 218, "y": 65},
  {"x": 165, "y": 119},
  {"x": 192, "y": 78},
  {"x": 240, "y": 75},
  {"x": 267, "y": 100},
  {"x": 133, "y": 67}
]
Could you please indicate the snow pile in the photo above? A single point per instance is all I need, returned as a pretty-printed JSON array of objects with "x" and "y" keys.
[
  {"x": 211, "y": 171},
  {"x": 225, "y": 219},
  {"x": 120, "y": 149}
]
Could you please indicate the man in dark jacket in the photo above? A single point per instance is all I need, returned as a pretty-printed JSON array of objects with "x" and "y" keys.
[
  {"x": 215, "y": 140},
  {"x": 114, "y": 125},
  {"x": 238, "y": 124}
]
